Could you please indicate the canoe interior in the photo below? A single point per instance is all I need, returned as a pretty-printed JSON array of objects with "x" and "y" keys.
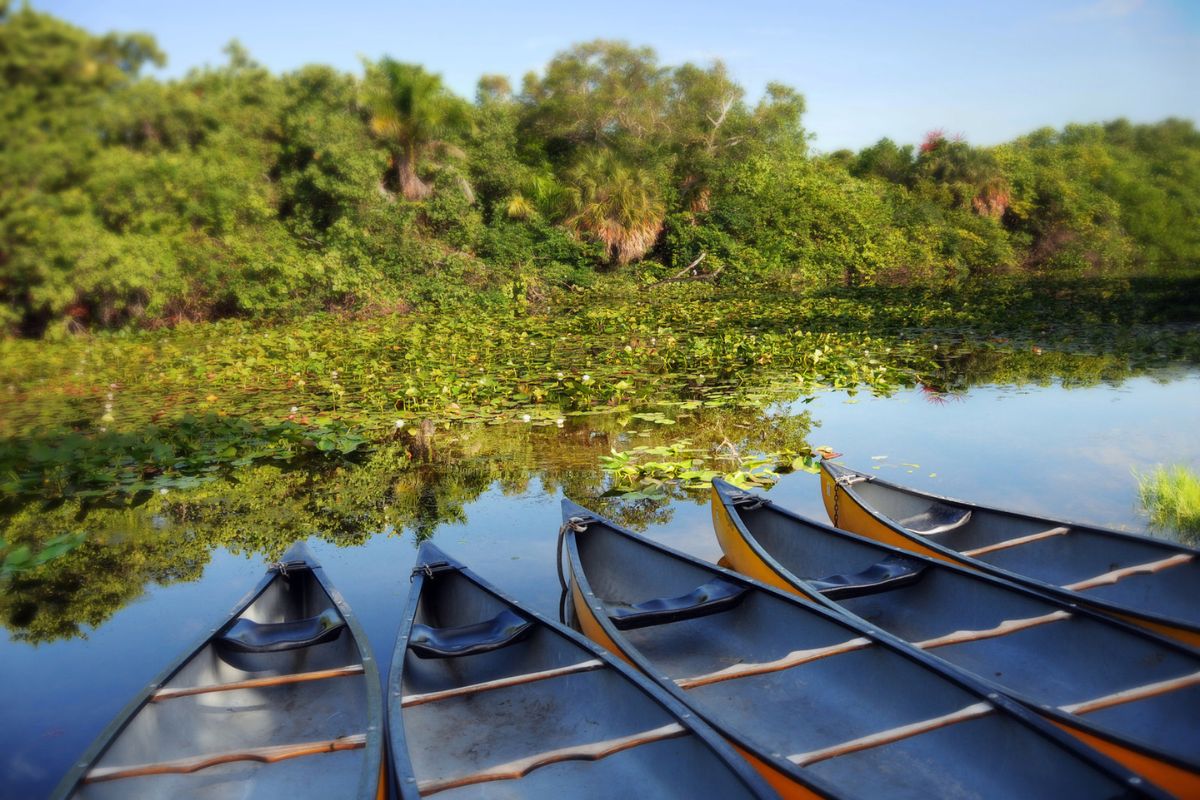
[
  {"x": 1064, "y": 661},
  {"x": 1080, "y": 554},
  {"x": 829, "y": 701},
  {"x": 466, "y": 735},
  {"x": 228, "y": 721}
]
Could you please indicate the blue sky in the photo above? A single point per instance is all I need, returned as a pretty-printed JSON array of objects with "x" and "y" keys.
[{"x": 987, "y": 70}]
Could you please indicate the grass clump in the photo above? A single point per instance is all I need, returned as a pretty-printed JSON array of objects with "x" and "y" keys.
[{"x": 1171, "y": 496}]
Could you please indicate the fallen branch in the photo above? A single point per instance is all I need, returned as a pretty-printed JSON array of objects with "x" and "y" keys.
[{"x": 688, "y": 274}]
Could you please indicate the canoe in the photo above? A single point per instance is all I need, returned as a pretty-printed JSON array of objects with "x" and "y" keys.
[
  {"x": 821, "y": 704},
  {"x": 281, "y": 699},
  {"x": 489, "y": 699},
  {"x": 1125, "y": 691},
  {"x": 1149, "y": 582}
]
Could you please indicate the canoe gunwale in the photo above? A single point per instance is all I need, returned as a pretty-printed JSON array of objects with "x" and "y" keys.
[
  {"x": 1076, "y": 610},
  {"x": 1001, "y": 702},
  {"x": 1106, "y": 606},
  {"x": 300, "y": 559},
  {"x": 403, "y": 779}
]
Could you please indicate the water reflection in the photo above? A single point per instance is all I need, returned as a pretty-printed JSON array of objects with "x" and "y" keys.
[{"x": 83, "y": 633}]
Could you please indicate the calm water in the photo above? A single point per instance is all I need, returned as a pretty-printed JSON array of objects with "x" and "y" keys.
[{"x": 1046, "y": 449}]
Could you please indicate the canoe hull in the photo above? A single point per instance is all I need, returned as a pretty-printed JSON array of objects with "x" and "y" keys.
[
  {"x": 749, "y": 557},
  {"x": 294, "y": 707},
  {"x": 1176, "y": 780},
  {"x": 542, "y": 714},
  {"x": 847, "y": 511},
  {"x": 786, "y": 786},
  {"x": 611, "y": 568}
]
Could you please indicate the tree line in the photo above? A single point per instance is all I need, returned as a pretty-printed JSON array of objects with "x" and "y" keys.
[{"x": 131, "y": 201}]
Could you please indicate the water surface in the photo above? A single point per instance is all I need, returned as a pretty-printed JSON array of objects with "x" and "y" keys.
[{"x": 1044, "y": 448}]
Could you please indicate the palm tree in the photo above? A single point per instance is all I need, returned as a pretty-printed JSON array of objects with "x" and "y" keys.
[
  {"x": 416, "y": 115},
  {"x": 615, "y": 204}
]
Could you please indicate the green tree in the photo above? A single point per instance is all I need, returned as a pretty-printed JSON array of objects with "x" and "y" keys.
[
  {"x": 615, "y": 204},
  {"x": 598, "y": 94},
  {"x": 885, "y": 159},
  {"x": 416, "y": 116}
]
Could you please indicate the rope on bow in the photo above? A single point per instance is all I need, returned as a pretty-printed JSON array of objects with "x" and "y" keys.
[
  {"x": 748, "y": 501},
  {"x": 578, "y": 525},
  {"x": 843, "y": 481}
]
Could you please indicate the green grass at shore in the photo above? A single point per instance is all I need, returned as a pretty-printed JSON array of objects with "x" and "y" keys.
[{"x": 1171, "y": 496}]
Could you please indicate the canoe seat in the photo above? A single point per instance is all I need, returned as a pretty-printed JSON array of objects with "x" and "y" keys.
[
  {"x": 890, "y": 573},
  {"x": 711, "y": 598},
  {"x": 500, "y": 631},
  {"x": 247, "y": 636},
  {"x": 938, "y": 518}
]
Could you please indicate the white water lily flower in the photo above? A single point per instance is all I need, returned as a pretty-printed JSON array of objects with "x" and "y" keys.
[
  {"x": 162, "y": 490},
  {"x": 399, "y": 424},
  {"x": 586, "y": 377},
  {"x": 525, "y": 418},
  {"x": 559, "y": 422},
  {"x": 295, "y": 409}
]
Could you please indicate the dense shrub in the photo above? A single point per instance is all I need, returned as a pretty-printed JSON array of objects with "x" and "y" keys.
[{"x": 126, "y": 201}]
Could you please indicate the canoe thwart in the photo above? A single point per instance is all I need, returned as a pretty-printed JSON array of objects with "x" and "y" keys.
[
  {"x": 500, "y": 631},
  {"x": 1017, "y": 542},
  {"x": 891, "y": 735},
  {"x": 792, "y": 659},
  {"x": 890, "y": 573},
  {"x": 710, "y": 598},
  {"x": 1133, "y": 695},
  {"x": 248, "y": 636},
  {"x": 1003, "y": 629},
  {"x": 258, "y": 683},
  {"x": 519, "y": 768},
  {"x": 499, "y": 683},
  {"x": 938, "y": 518},
  {"x": 264, "y": 755},
  {"x": 1126, "y": 572}
]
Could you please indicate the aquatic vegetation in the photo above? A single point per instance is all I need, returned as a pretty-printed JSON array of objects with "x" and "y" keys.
[
  {"x": 247, "y": 437},
  {"x": 19, "y": 558},
  {"x": 128, "y": 414},
  {"x": 107, "y": 466},
  {"x": 642, "y": 473},
  {"x": 115, "y": 416},
  {"x": 1171, "y": 496}
]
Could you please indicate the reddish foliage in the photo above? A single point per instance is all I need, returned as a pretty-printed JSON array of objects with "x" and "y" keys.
[{"x": 933, "y": 140}]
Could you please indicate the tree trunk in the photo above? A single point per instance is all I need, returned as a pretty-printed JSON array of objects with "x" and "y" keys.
[{"x": 411, "y": 185}]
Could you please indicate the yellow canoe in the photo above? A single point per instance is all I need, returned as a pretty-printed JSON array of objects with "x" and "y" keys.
[
  {"x": 1149, "y": 582},
  {"x": 1127, "y": 692}
]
